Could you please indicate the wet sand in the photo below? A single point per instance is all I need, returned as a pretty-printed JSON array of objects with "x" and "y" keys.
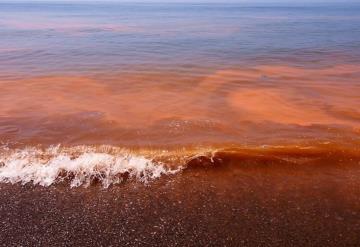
[{"x": 248, "y": 205}]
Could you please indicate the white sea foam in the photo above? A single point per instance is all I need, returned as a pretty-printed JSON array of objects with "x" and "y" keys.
[{"x": 79, "y": 165}]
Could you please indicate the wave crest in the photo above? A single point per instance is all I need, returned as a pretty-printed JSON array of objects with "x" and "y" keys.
[{"x": 80, "y": 166}]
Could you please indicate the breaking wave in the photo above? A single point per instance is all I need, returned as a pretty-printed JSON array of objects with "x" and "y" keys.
[
  {"x": 84, "y": 165},
  {"x": 80, "y": 165}
]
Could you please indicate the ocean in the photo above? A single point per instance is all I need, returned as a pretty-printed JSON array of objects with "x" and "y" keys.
[{"x": 155, "y": 78}]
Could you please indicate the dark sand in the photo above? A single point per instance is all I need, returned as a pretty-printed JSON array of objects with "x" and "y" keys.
[{"x": 258, "y": 206}]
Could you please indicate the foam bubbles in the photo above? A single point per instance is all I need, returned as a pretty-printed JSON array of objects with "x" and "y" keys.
[{"x": 80, "y": 166}]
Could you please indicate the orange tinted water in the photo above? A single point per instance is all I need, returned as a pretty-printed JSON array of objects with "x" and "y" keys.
[{"x": 262, "y": 105}]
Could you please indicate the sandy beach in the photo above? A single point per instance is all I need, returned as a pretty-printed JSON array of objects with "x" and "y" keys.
[{"x": 244, "y": 206}]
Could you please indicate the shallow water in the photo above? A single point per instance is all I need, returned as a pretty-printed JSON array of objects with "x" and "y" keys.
[{"x": 113, "y": 82}]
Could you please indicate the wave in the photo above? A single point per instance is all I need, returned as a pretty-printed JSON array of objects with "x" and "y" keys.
[
  {"x": 79, "y": 165},
  {"x": 84, "y": 165}
]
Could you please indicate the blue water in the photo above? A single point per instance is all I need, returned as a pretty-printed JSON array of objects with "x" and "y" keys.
[{"x": 41, "y": 38}]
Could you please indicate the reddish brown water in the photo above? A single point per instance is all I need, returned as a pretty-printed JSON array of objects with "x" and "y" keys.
[
  {"x": 269, "y": 104},
  {"x": 260, "y": 114}
]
